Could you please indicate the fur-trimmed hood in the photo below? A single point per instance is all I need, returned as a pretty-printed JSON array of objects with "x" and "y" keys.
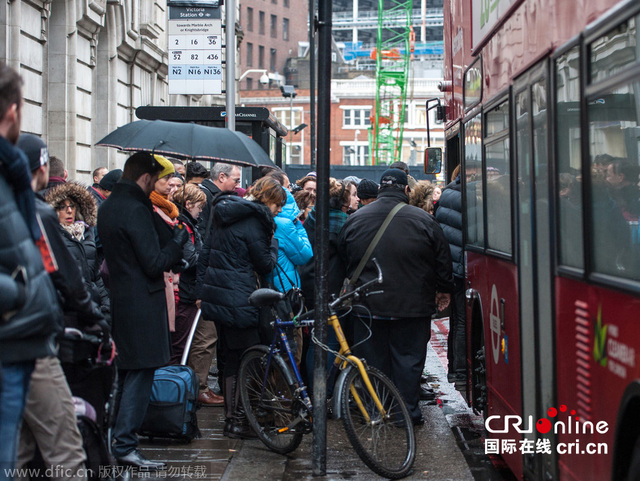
[{"x": 87, "y": 209}]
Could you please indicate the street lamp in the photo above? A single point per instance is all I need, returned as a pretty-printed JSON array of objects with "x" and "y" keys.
[{"x": 290, "y": 92}]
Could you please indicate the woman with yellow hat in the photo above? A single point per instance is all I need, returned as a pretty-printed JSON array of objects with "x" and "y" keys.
[{"x": 166, "y": 219}]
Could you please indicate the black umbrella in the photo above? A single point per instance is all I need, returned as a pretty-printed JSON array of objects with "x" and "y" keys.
[{"x": 188, "y": 141}]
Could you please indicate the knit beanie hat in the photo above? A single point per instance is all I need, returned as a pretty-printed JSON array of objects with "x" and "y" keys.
[
  {"x": 367, "y": 189},
  {"x": 167, "y": 166},
  {"x": 110, "y": 179}
]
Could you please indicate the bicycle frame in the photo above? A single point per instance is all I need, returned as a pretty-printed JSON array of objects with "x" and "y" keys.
[{"x": 345, "y": 356}]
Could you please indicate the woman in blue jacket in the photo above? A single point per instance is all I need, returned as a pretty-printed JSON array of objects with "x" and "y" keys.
[{"x": 294, "y": 249}]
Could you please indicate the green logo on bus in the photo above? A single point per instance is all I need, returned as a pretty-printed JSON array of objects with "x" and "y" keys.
[{"x": 600, "y": 340}]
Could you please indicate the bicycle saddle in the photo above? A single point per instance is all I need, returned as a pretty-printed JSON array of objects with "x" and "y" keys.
[{"x": 265, "y": 297}]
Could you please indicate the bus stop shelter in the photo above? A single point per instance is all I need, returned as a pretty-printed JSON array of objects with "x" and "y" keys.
[{"x": 256, "y": 122}]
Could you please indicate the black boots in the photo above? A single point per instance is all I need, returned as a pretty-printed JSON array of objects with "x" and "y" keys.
[{"x": 236, "y": 425}]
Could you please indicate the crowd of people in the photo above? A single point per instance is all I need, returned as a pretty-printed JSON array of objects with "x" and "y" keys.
[{"x": 140, "y": 252}]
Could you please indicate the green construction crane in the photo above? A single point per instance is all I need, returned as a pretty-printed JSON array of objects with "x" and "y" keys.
[{"x": 392, "y": 56}]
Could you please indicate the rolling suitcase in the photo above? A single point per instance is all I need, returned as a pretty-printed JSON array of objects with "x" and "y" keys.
[{"x": 172, "y": 408}]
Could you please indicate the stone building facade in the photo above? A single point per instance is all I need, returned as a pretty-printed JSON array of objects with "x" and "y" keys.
[{"x": 87, "y": 65}]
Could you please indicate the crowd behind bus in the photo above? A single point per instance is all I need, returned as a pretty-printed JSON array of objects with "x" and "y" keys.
[{"x": 140, "y": 252}]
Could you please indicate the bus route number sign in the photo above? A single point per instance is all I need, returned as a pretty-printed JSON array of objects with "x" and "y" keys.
[{"x": 195, "y": 50}]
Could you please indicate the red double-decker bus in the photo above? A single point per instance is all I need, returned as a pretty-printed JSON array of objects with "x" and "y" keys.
[{"x": 542, "y": 102}]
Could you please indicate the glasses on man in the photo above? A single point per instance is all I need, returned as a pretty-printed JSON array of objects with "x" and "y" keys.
[
  {"x": 235, "y": 179},
  {"x": 71, "y": 206}
]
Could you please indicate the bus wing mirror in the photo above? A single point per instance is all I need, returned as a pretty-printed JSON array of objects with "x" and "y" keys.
[{"x": 432, "y": 160}]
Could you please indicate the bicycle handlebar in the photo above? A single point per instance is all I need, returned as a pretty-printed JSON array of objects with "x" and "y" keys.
[{"x": 359, "y": 290}]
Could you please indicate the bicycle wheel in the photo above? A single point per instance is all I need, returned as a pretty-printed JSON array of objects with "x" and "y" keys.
[
  {"x": 272, "y": 407},
  {"x": 385, "y": 443}
]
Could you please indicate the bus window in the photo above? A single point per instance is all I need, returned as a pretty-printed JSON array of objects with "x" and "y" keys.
[
  {"x": 568, "y": 154},
  {"x": 614, "y": 51},
  {"x": 473, "y": 176},
  {"x": 613, "y": 142},
  {"x": 498, "y": 178}
]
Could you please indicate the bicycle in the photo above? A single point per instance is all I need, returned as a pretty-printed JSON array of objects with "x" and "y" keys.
[{"x": 279, "y": 409}]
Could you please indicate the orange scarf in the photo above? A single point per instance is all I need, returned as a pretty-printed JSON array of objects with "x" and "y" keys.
[{"x": 163, "y": 203}]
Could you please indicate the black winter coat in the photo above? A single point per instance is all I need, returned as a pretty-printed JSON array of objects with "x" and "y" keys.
[
  {"x": 68, "y": 279},
  {"x": 449, "y": 215},
  {"x": 237, "y": 251},
  {"x": 191, "y": 254},
  {"x": 85, "y": 255},
  {"x": 29, "y": 309},
  {"x": 85, "y": 251},
  {"x": 413, "y": 255},
  {"x": 136, "y": 264}
]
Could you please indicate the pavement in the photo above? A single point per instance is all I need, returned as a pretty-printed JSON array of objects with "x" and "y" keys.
[{"x": 215, "y": 457}]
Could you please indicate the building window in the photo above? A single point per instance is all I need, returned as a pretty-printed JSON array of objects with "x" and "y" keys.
[
  {"x": 249, "y": 54},
  {"x": 249, "y": 19},
  {"x": 275, "y": 2},
  {"x": 354, "y": 117},
  {"x": 355, "y": 154},
  {"x": 261, "y": 23},
  {"x": 272, "y": 60},
  {"x": 286, "y": 3},
  {"x": 273, "y": 26},
  {"x": 260, "y": 56},
  {"x": 295, "y": 156},
  {"x": 249, "y": 84},
  {"x": 285, "y": 29},
  {"x": 284, "y": 116}
]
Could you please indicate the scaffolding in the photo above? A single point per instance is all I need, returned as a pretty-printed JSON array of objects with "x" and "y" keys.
[{"x": 392, "y": 56}]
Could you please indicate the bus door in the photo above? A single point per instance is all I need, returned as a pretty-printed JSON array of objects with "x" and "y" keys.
[
  {"x": 452, "y": 151},
  {"x": 535, "y": 281}
]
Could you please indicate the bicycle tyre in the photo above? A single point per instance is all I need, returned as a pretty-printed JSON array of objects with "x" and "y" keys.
[
  {"x": 267, "y": 416},
  {"x": 387, "y": 446}
]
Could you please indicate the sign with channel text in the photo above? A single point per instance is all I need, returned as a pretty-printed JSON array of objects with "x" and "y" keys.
[{"x": 195, "y": 50}]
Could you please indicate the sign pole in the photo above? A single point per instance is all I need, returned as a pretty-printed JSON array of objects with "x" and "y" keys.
[{"x": 230, "y": 55}]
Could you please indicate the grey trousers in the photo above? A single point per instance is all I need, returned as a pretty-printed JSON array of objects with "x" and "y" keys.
[{"x": 50, "y": 421}]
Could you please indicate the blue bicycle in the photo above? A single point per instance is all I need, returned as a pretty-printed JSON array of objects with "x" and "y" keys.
[{"x": 279, "y": 409}]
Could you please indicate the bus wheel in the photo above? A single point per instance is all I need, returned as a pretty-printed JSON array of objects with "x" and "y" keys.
[{"x": 480, "y": 383}]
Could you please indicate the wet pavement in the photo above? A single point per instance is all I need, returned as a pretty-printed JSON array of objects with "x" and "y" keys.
[{"x": 450, "y": 445}]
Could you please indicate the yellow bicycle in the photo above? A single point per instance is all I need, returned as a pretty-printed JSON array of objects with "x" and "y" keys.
[{"x": 279, "y": 409}]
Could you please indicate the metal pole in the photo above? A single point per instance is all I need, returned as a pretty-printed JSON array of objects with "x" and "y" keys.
[
  {"x": 230, "y": 57},
  {"x": 312, "y": 81},
  {"x": 322, "y": 238},
  {"x": 291, "y": 129}
]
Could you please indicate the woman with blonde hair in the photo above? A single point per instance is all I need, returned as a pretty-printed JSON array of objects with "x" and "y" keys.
[
  {"x": 234, "y": 258},
  {"x": 190, "y": 200},
  {"x": 422, "y": 195}
]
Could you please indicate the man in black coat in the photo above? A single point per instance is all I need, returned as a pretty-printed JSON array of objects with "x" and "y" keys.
[
  {"x": 416, "y": 267},
  {"x": 449, "y": 215},
  {"x": 136, "y": 265}
]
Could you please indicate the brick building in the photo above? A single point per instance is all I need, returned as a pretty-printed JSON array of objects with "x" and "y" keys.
[{"x": 272, "y": 30}]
